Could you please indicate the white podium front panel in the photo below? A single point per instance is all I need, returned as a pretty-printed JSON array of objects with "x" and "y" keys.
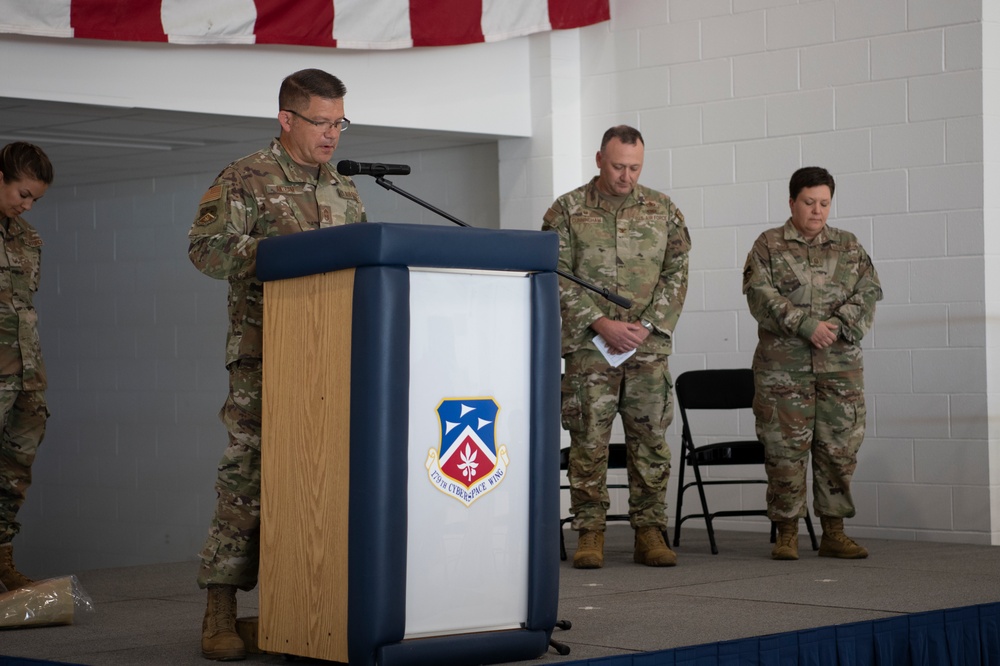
[{"x": 468, "y": 452}]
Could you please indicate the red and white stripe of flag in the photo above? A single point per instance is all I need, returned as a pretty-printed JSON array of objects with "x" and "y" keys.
[{"x": 356, "y": 24}]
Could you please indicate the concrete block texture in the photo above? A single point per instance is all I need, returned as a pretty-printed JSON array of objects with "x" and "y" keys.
[
  {"x": 784, "y": 25},
  {"x": 862, "y": 18},
  {"x": 733, "y": 35}
]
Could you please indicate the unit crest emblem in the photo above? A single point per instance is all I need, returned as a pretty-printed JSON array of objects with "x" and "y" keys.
[{"x": 468, "y": 462}]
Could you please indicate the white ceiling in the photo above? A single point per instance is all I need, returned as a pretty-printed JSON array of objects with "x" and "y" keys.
[{"x": 91, "y": 144}]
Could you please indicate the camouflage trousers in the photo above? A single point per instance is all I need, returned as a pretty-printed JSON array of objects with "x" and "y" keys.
[
  {"x": 593, "y": 392},
  {"x": 799, "y": 413},
  {"x": 231, "y": 555},
  {"x": 22, "y": 419}
]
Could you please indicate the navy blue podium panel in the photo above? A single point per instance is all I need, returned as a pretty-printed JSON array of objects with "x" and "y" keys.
[
  {"x": 433, "y": 407},
  {"x": 384, "y": 244}
]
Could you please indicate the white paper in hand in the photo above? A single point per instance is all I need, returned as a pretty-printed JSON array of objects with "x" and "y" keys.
[{"x": 614, "y": 359}]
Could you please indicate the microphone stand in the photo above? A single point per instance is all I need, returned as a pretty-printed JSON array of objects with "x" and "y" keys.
[{"x": 620, "y": 301}]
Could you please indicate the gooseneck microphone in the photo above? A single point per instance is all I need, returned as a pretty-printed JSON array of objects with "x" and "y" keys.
[
  {"x": 379, "y": 171},
  {"x": 350, "y": 168}
]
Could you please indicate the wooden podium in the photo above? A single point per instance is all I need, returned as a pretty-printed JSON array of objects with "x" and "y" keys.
[{"x": 410, "y": 444}]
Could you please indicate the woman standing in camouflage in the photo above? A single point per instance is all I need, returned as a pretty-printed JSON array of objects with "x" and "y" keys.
[
  {"x": 812, "y": 290},
  {"x": 25, "y": 175}
]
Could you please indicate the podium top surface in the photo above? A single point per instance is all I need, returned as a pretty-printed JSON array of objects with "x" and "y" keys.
[{"x": 417, "y": 245}]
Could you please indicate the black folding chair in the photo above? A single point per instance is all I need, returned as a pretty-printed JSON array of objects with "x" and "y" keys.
[
  {"x": 617, "y": 456},
  {"x": 717, "y": 390}
]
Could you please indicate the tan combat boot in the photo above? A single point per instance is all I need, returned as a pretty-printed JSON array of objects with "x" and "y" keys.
[
  {"x": 10, "y": 577},
  {"x": 219, "y": 639},
  {"x": 837, "y": 544},
  {"x": 589, "y": 550},
  {"x": 786, "y": 541},
  {"x": 651, "y": 549}
]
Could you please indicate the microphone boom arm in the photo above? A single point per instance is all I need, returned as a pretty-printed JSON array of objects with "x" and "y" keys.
[{"x": 618, "y": 300}]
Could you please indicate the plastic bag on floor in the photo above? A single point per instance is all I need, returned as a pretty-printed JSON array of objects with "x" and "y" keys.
[{"x": 44, "y": 602}]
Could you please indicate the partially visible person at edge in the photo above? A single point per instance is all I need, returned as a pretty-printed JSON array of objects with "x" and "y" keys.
[
  {"x": 25, "y": 175},
  {"x": 289, "y": 187},
  {"x": 812, "y": 289},
  {"x": 630, "y": 239}
]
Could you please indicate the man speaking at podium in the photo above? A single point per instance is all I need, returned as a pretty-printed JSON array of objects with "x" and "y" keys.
[
  {"x": 286, "y": 188},
  {"x": 628, "y": 238}
]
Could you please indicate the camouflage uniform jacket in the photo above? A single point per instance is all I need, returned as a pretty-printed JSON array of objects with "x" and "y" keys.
[
  {"x": 21, "y": 366},
  {"x": 791, "y": 285},
  {"x": 262, "y": 195},
  {"x": 640, "y": 252}
]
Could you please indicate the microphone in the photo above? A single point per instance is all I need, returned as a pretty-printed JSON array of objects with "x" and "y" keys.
[
  {"x": 349, "y": 168},
  {"x": 618, "y": 300}
]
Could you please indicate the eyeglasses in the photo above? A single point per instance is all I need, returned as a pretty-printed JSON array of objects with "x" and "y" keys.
[{"x": 325, "y": 125}]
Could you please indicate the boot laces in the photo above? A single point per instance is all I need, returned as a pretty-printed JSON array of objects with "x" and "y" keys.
[
  {"x": 787, "y": 539},
  {"x": 843, "y": 539},
  {"x": 588, "y": 541},
  {"x": 223, "y": 615},
  {"x": 651, "y": 537}
]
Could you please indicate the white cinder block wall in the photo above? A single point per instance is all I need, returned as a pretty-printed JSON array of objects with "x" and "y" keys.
[
  {"x": 899, "y": 98},
  {"x": 991, "y": 244},
  {"x": 132, "y": 336},
  {"x": 460, "y": 181},
  {"x": 893, "y": 97}
]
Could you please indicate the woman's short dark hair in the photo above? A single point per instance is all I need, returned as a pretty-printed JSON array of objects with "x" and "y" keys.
[
  {"x": 623, "y": 133},
  {"x": 299, "y": 87},
  {"x": 20, "y": 160},
  {"x": 812, "y": 176}
]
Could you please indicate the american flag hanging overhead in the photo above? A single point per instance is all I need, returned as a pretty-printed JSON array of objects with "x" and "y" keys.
[{"x": 355, "y": 24}]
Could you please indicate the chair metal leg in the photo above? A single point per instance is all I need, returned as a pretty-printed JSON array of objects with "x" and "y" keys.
[
  {"x": 562, "y": 538},
  {"x": 680, "y": 502},
  {"x": 812, "y": 532},
  {"x": 704, "y": 509}
]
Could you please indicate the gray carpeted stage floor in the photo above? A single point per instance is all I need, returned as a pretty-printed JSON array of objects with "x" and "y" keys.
[{"x": 152, "y": 614}]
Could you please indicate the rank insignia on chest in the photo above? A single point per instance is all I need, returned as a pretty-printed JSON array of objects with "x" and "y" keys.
[{"x": 468, "y": 463}]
